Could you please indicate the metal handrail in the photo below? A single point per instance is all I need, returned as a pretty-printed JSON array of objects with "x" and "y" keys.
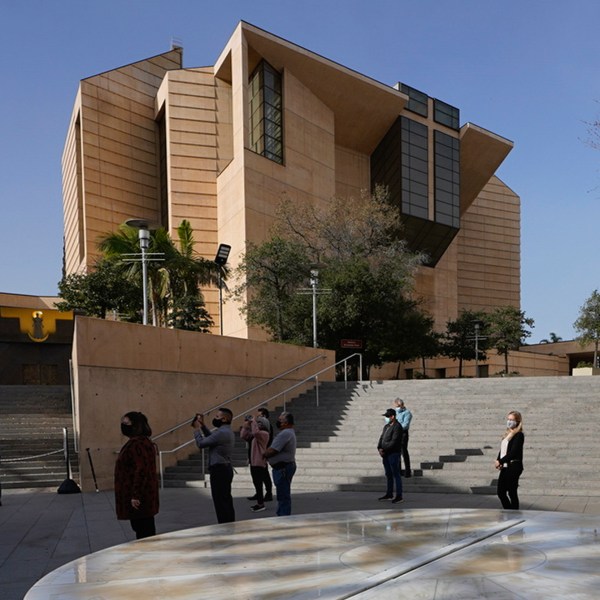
[
  {"x": 314, "y": 376},
  {"x": 244, "y": 393}
]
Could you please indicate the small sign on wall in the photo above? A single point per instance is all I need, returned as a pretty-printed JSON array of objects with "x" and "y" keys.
[{"x": 351, "y": 344}]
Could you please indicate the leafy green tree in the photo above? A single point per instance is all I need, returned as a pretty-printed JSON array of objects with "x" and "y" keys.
[
  {"x": 370, "y": 306},
  {"x": 104, "y": 290},
  {"x": 271, "y": 274},
  {"x": 507, "y": 330},
  {"x": 362, "y": 262},
  {"x": 459, "y": 338},
  {"x": 588, "y": 323},
  {"x": 189, "y": 313}
]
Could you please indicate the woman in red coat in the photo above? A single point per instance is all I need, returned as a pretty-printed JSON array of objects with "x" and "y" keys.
[{"x": 136, "y": 481}]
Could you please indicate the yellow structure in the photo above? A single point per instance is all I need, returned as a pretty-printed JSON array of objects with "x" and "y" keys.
[{"x": 220, "y": 145}]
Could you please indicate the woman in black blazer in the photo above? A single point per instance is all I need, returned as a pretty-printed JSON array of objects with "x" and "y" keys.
[{"x": 510, "y": 461}]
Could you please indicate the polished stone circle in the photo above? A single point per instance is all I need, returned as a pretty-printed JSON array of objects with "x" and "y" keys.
[{"x": 381, "y": 554}]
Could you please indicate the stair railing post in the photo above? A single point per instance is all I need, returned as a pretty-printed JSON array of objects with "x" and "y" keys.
[
  {"x": 160, "y": 468},
  {"x": 360, "y": 379},
  {"x": 345, "y": 373}
]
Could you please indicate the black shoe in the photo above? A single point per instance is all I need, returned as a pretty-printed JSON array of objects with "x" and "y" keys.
[
  {"x": 258, "y": 508},
  {"x": 408, "y": 474},
  {"x": 397, "y": 499},
  {"x": 386, "y": 497},
  {"x": 252, "y": 497},
  {"x": 269, "y": 498}
]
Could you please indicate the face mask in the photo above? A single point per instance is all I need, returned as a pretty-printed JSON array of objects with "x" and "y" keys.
[
  {"x": 126, "y": 429},
  {"x": 511, "y": 424},
  {"x": 217, "y": 422},
  {"x": 387, "y": 420},
  {"x": 279, "y": 424}
]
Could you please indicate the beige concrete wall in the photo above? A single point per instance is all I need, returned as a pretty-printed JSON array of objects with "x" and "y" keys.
[
  {"x": 169, "y": 375},
  {"x": 489, "y": 250},
  {"x": 199, "y": 140},
  {"x": 118, "y": 153},
  {"x": 527, "y": 364}
]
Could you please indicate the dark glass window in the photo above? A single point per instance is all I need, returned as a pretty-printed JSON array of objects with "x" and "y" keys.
[
  {"x": 415, "y": 168},
  {"x": 417, "y": 101},
  {"x": 447, "y": 115},
  {"x": 447, "y": 179},
  {"x": 162, "y": 170},
  {"x": 266, "y": 112}
]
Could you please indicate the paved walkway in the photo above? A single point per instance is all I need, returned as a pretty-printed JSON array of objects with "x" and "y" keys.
[{"x": 41, "y": 530}]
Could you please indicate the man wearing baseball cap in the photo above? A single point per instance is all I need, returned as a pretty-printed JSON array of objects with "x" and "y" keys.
[{"x": 390, "y": 446}]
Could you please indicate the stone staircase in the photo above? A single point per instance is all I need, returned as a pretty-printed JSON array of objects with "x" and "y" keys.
[
  {"x": 454, "y": 437},
  {"x": 31, "y": 424}
]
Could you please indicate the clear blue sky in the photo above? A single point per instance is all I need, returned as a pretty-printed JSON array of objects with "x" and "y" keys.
[{"x": 528, "y": 70}]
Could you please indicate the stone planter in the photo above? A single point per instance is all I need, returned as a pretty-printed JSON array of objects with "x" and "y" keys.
[{"x": 577, "y": 371}]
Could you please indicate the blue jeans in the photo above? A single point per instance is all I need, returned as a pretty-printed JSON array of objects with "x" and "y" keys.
[
  {"x": 282, "y": 478},
  {"x": 391, "y": 464}
]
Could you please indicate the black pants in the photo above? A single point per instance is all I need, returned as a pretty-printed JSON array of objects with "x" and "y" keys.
[
  {"x": 143, "y": 527},
  {"x": 404, "y": 451},
  {"x": 508, "y": 482},
  {"x": 221, "y": 477},
  {"x": 260, "y": 477}
]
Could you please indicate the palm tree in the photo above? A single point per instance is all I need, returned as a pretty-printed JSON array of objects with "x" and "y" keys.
[
  {"x": 553, "y": 339},
  {"x": 174, "y": 278}
]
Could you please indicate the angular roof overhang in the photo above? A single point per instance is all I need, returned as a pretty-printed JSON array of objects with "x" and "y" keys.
[
  {"x": 364, "y": 109},
  {"x": 481, "y": 153}
]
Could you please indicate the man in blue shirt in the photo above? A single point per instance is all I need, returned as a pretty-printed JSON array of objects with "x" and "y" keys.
[{"x": 404, "y": 417}]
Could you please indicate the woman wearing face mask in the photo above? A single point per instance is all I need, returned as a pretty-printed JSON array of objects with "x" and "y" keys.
[
  {"x": 510, "y": 461},
  {"x": 136, "y": 481}
]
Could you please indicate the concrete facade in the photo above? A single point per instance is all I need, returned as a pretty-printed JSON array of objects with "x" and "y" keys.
[
  {"x": 170, "y": 375},
  {"x": 155, "y": 140}
]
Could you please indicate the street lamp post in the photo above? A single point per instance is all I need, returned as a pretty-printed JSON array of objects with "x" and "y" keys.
[
  {"x": 476, "y": 325},
  {"x": 221, "y": 261},
  {"x": 314, "y": 282},
  {"x": 144, "y": 237},
  {"x": 143, "y": 227}
]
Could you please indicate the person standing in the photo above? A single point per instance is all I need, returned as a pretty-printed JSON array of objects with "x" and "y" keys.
[
  {"x": 268, "y": 495},
  {"x": 282, "y": 458},
  {"x": 256, "y": 432},
  {"x": 404, "y": 417},
  {"x": 220, "y": 444},
  {"x": 389, "y": 446},
  {"x": 136, "y": 480},
  {"x": 510, "y": 461}
]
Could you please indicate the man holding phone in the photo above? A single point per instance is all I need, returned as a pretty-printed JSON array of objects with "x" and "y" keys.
[{"x": 220, "y": 446}]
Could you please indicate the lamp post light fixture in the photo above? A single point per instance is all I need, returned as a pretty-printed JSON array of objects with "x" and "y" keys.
[
  {"x": 314, "y": 282},
  {"x": 477, "y": 326},
  {"x": 144, "y": 237},
  {"x": 221, "y": 261}
]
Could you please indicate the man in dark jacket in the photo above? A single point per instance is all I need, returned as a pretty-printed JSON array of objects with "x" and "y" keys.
[{"x": 390, "y": 446}]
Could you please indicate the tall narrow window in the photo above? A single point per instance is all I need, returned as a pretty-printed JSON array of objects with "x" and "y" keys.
[
  {"x": 162, "y": 170},
  {"x": 415, "y": 169},
  {"x": 447, "y": 179},
  {"x": 266, "y": 112},
  {"x": 79, "y": 179}
]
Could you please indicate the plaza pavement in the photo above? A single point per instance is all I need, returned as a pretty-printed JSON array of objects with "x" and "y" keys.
[{"x": 41, "y": 530}]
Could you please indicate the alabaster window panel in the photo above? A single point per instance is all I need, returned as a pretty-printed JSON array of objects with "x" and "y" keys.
[{"x": 266, "y": 112}]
